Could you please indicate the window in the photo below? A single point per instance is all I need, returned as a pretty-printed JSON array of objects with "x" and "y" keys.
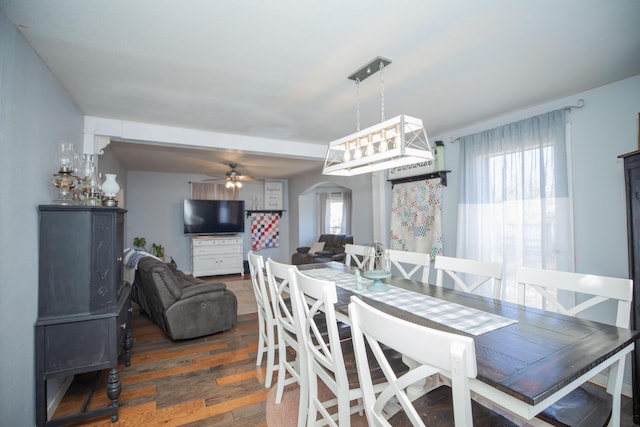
[
  {"x": 514, "y": 205},
  {"x": 334, "y": 213}
]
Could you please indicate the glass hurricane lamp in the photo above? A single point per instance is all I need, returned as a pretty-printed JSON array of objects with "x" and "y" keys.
[
  {"x": 65, "y": 180},
  {"x": 377, "y": 266}
]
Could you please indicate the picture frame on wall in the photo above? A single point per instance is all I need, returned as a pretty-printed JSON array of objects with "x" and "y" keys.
[{"x": 273, "y": 196}]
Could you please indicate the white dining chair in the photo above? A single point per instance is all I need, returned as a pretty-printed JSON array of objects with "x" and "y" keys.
[
  {"x": 433, "y": 351},
  {"x": 468, "y": 274},
  {"x": 266, "y": 321},
  {"x": 590, "y": 290},
  {"x": 354, "y": 255},
  {"x": 330, "y": 358},
  {"x": 287, "y": 327},
  {"x": 412, "y": 265}
]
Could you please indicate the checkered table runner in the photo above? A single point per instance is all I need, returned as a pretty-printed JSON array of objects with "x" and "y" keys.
[{"x": 469, "y": 320}]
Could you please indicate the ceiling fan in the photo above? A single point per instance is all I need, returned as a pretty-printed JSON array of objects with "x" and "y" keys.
[{"x": 234, "y": 178}]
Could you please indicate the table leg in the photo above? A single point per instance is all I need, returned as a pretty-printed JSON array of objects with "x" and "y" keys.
[{"x": 422, "y": 387}]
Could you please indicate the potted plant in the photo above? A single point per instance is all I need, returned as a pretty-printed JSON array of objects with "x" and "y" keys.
[
  {"x": 140, "y": 243},
  {"x": 157, "y": 249}
]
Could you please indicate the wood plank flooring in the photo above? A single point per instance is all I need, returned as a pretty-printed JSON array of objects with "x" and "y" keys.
[{"x": 208, "y": 381}]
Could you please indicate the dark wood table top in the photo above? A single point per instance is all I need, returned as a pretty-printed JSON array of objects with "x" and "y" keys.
[{"x": 530, "y": 359}]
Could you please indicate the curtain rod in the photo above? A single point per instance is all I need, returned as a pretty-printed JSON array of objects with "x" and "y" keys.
[{"x": 579, "y": 104}]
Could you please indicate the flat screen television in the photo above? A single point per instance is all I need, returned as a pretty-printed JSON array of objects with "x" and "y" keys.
[{"x": 213, "y": 216}]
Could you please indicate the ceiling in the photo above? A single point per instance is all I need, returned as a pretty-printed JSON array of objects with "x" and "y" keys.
[{"x": 278, "y": 69}]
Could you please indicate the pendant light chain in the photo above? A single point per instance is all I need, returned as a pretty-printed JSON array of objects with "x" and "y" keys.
[
  {"x": 358, "y": 104},
  {"x": 382, "y": 90}
]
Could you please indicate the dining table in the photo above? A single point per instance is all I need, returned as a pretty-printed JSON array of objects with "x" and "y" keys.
[{"x": 527, "y": 358}]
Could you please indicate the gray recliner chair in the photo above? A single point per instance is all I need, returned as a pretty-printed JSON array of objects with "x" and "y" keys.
[{"x": 182, "y": 305}]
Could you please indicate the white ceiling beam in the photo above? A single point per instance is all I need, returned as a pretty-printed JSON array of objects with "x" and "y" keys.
[{"x": 158, "y": 134}]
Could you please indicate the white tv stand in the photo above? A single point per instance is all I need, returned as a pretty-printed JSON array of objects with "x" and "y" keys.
[{"x": 216, "y": 255}]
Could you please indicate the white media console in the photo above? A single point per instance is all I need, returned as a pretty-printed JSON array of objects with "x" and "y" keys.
[{"x": 216, "y": 255}]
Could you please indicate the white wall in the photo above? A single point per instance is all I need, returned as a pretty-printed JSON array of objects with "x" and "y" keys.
[
  {"x": 155, "y": 212},
  {"x": 36, "y": 114}
]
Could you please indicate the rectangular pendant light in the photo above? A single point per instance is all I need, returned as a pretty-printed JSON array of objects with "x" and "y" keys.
[{"x": 399, "y": 141}]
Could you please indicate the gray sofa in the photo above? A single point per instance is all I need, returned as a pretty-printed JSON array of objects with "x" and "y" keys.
[
  {"x": 183, "y": 306},
  {"x": 333, "y": 250}
]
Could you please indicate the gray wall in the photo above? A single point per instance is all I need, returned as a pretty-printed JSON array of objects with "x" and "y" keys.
[
  {"x": 361, "y": 202},
  {"x": 154, "y": 204},
  {"x": 604, "y": 128},
  {"x": 36, "y": 114}
]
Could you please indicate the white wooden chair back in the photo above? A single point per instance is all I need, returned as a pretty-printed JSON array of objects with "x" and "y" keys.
[
  {"x": 314, "y": 299},
  {"x": 266, "y": 320},
  {"x": 593, "y": 290},
  {"x": 482, "y": 271},
  {"x": 410, "y": 264},
  {"x": 433, "y": 350},
  {"x": 287, "y": 326},
  {"x": 596, "y": 289},
  {"x": 355, "y": 255}
]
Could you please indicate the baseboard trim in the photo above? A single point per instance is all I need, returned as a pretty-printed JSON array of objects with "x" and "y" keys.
[{"x": 52, "y": 405}]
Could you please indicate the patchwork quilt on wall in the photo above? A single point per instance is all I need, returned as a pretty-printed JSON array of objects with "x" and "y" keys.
[
  {"x": 265, "y": 230},
  {"x": 416, "y": 217}
]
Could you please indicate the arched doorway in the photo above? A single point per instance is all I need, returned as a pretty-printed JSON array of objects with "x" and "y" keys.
[{"x": 309, "y": 218}]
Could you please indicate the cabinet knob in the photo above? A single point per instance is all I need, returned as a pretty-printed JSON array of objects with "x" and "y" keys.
[
  {"x": 123, "y": 326},
  {"x": 119, "y": 259}
]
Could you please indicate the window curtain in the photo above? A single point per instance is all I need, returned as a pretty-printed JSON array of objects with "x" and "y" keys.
[
  {"x": 212, "y": 191},
  {"x": 514, "y": 204},
  {"x": 416, "y": 224},
  {"x": 324, "y": 213},
  {"x": 346, "y": 213}
]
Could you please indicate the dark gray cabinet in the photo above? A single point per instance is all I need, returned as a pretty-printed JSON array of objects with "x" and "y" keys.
[
  {"x": 84, "y": 306},
  {"x": 632, "y": 184}
]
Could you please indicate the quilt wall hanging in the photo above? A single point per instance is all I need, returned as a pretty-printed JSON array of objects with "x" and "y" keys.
[
  {"x": 416, "y": 223},
  {"x": 265, "y": 230}
]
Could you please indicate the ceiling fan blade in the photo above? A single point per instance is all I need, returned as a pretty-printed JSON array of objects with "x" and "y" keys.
[{"x": 248, "y": 178}]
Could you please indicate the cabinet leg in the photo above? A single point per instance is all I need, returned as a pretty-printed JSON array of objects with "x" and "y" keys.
[{"x": 113, "y": 392}]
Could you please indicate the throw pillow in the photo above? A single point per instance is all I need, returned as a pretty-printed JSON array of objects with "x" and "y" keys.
[{"x": 316, "y": 247}]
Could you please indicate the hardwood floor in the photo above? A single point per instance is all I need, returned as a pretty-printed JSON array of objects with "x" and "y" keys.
[{"x": 209, "y": 381}]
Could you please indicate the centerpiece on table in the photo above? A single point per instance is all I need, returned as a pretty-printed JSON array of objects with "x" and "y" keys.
[{"x": 377, "y": 266}]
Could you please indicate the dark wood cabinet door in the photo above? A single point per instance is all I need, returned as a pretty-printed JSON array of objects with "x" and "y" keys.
[
  {"x": 80, "y": 260},
  {"x": 632, "y": 184}
]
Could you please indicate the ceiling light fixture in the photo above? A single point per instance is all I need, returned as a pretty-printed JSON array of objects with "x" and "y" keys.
[
  {"x": 399, "y": 141},
  {"x": 233, "y": 183},
  {"x": 233, "y": 177}
]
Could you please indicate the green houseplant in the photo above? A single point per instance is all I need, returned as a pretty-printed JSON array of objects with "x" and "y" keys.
[{"x": 157, "y": 249}]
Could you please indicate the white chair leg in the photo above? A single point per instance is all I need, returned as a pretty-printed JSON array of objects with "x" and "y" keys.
[
  {"x": 270, "y": 361},
  {"x": 261, "y": 343},
  {"x": 282, "y": 352}
]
